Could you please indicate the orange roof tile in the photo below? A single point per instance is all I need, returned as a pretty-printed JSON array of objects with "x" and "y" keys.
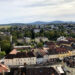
[
  {"x": 14, "y": 51},
  {"x": 3, "y": 68}
]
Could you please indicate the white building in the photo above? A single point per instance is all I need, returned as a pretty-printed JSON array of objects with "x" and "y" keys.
[
  {"x": 20, "y": 58},
  {"x": 44, "y": 39},
  {"x": 20, "y": 40},
  {"x": 62, "y": 38},
  {"x": 38, "y": 39},
  {"x": 36, "y": 30},
  {"x": 40, "y": 60},
  {"x": 27, "y": 39},
  {"x": 22, "y": 47}
]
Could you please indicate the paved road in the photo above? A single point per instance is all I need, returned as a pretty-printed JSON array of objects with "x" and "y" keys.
[{"x": 71, "y": 70}]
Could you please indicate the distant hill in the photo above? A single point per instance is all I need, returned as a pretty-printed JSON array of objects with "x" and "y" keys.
[
  {"x": 52, "y": 22},
  {"x": 40, "y": 22},
  {"x": 58, "y": 22}
]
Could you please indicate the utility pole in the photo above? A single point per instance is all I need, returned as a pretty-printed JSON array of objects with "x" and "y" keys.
[
  {"x": 11, "y": 41},
  {"x": 10, "y": 38},
  {"x": 0, "y": 48},
  {"x": 3, "y": 73}
]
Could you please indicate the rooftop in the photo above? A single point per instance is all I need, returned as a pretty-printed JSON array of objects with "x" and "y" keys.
[
  {"x": 20, "y": 55},
  {"x": 3, "y": 68}
]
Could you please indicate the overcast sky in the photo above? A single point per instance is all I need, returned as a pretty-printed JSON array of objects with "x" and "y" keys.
[{"x": 24, "y": 11}]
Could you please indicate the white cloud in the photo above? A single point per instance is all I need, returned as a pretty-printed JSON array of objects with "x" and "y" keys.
[{"x": 35, "y": 10}]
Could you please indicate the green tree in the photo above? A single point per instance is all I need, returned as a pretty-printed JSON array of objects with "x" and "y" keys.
[
  {"x": 37, "y": 34},
  {"x": 41, "y": 33},
  {"x": 39, "y": 45},
  {"x": 2, "y": 54},
  {"x": 32, "y": 34},
  {"x": 72, "y": 35},
  {"x": 14, "y": 38},
  {"x": 5, "y": 46},
  {"x": 27, "y": 33}
]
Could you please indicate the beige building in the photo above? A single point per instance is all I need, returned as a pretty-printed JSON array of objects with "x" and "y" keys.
[
  {"x": 20, "y": 58},
  {"x": 27, "y": 39},
  {"x": 38, "y": 39}
]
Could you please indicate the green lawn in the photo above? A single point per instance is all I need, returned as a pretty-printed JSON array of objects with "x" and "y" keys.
[{"x": 5, "y": 27}]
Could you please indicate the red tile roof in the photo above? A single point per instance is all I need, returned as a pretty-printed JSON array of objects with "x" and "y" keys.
[
  {"x": 20, "y": 55},
  {"x": 3, "y": 68},
  {"x": 50, "y": 43},
  {"x": 71, "y": 39},
  {"x": 57, "y": 50},
  {"x": 14, "y": 51},
  {"x": 43, "y": 52}
]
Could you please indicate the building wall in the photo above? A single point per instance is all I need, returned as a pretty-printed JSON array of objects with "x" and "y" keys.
[
  {"x": 33, "y": 60},
  {"x": 8, "y": 61},
  {"x": 53, "y": 56},
  {"x": 20, "y": 61},
  {"x": 40, "y": 60}
]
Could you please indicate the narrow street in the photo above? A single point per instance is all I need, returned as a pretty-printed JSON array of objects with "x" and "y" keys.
[{"x": 71, "y": 71}]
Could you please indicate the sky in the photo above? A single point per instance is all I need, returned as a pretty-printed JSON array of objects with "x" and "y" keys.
[{"x": 27, "y": 11}]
